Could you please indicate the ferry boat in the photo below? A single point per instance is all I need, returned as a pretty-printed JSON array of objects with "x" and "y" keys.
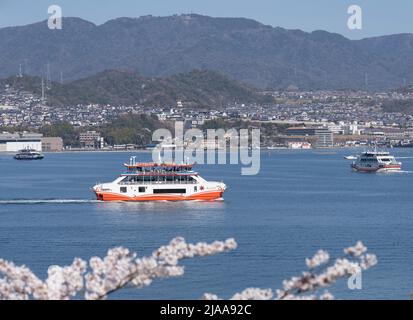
[
  {"x": 159, "y": 182},
  {"x": 28, "y": 154},
  {"x": 376, "y": 161}
]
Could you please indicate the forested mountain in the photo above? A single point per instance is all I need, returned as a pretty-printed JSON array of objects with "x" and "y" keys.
[
  {"x": 194, "y": 89},
  {"x": 243, "y": 49}
]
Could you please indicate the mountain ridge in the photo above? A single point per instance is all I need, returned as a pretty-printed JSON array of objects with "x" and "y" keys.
[
  {"x": 198, "y": 88},
  {"x": 241, "y": 48}
]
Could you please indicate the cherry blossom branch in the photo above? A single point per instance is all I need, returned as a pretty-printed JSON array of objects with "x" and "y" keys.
[
  {"x": 119, "y": 269},
  {"x": 307, "y": 285}
]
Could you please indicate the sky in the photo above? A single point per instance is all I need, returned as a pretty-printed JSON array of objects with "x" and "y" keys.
[{"x": 379, "y": 17}]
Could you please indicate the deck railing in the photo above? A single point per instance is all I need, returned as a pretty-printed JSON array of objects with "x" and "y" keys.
[{"x": 131, "y": 183}]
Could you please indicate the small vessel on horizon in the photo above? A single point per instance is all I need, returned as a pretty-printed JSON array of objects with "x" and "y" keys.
[
  {"x": 159, "y": 182},
  {"x": 350, "y": 158},
  {"x": 29, "y": 154},
  {"x": 376, "y": 161},
  {"x": 405, "y": 144}
]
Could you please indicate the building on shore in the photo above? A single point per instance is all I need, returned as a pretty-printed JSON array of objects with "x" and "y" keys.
[
  {"x": 52, "y": 144},
  {"x": 324, "y": 136},
  {"x": 301, "y": 131},
  {"x": 91, "y": 140},
  {"x": 13, "y": 142},
  {"x": 299, "y": 145}
]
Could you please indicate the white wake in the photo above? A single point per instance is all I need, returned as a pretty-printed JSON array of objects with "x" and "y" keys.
[{"x": 48, "y": 201}]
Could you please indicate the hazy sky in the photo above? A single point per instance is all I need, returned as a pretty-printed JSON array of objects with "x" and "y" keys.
[{"x": 380, "y": 17}]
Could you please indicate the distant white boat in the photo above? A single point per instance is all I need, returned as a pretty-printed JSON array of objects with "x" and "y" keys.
[
  {"x": 376, "y": 161},
  {"x": 351, "y": 158},
  {"x": 275, "y": 148},
  {"x": 168, "y": 146},
  {"x": 28, "y": 154}
]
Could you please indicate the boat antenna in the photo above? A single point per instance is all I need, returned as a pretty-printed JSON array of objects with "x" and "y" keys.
[{"x": 132, "y": 161}]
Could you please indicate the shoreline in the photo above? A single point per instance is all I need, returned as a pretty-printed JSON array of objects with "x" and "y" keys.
[{"x": 320, "y": 150}]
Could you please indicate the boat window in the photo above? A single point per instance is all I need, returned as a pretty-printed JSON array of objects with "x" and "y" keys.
[
  {"x": 169, "y": 191},
  {"x": 142, "y": 189},
  {"x": 156, "y": 179},
  {"x": 123, "y": 189}
]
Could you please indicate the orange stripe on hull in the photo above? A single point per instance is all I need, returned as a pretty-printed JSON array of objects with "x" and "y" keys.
[
  {"x": 384, "y": 168},
  {"x": 208, "y": 196}
]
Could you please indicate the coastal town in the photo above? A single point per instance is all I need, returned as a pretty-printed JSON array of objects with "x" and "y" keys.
[{"x": 302, "y": 119}]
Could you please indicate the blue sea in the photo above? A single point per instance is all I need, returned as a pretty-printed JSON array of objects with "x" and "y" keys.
[{"x": 300, "y": 201}]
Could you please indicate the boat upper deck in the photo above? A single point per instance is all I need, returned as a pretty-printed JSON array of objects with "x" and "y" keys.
[
  {"x": 152, "y": 168},
  {"x": 376, "y": 154}
]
